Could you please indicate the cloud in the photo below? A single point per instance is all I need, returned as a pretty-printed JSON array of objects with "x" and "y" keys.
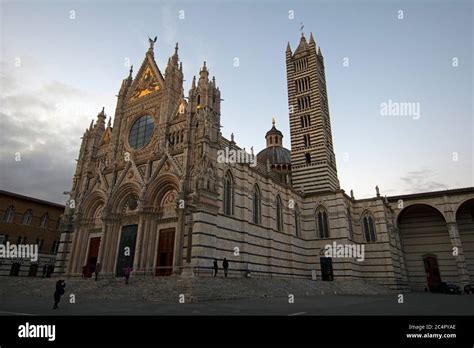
[
  {"x": 421, "y": 181},
  {"x": 40, "y": 136}
]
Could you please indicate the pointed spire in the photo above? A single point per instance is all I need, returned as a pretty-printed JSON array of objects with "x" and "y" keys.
[
  {"x": 288, "y": 47},
  {"x": 176, "y": 49},
  {"x": 130, "y": 72},
  {"x": 101, "y": 118},
  {"x": 203, "y": 74},
  {"x": 319, "y": 51},
  {"x": 110, "y": 122},
  {"x": 194, "y": 82},
  {"x": 92, "y": 124},
  {"x": 311, "y": 39}
]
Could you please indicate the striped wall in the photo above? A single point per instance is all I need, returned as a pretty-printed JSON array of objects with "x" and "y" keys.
[
  {"x": 423, "y": 231},
  {"x": 465, "y": 221}
]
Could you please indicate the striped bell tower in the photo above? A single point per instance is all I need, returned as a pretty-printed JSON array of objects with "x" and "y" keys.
[{"x": 313, "y": 161}]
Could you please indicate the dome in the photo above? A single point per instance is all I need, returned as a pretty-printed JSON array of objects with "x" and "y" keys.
[
  {"x": 274, "y": 131},
  {"x": 275, "y": 154}
]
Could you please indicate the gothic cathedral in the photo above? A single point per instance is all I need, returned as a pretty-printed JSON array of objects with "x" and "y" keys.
[{"x": 150, "y": 192}]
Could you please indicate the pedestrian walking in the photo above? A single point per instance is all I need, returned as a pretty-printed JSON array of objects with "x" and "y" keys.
[
  {"x": 128, "y": 270},
  {"x": 97, "y": 271},
  {"x": 225, "y": 265},
  {"x": 60, "y": 285},
  {"x": 216, "y": 268}
]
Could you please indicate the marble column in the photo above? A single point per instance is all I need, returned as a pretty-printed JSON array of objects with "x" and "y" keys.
[
  {"x": 74, "y": 249},
  {"x": 178, "y": 260},
  {"x": 459, "y": 255},
  {"x": 111, "y": 248},
  {"x": 137, "y": 264}
]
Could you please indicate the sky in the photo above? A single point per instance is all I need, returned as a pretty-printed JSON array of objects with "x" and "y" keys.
[{"x": 62, "y": 61}]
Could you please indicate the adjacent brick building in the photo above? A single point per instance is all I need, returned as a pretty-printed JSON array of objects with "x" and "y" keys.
[{"x": 27, "y": 220}]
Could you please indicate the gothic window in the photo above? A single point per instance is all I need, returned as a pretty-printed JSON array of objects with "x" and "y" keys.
[
  {"x": 9, "y": 213},
  {"x": 297, "y": 221},
  {"x": 141, "y": 132},
  {"x": 351, "y": 230},
  {"x": 199, "y": 99},
  {"x": 307, "y": 157},
  {"x": 302, "y": 121},
  {"x": 44, "y": 221},
  {"x": 369, "y": 227},
  {"x": 228, "y": 194},
  {"x": 322, "y": 224},
  {"x": 279, "y": 214},
  {"x": 257, "y": 205},
  {"x": 307, "y": 140},
  {"x": 27, "y": 217}
]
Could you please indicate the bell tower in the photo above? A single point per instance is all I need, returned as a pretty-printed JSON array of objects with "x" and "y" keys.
[{"x": 313, "y": 161}]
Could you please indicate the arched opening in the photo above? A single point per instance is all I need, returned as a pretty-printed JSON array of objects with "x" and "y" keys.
[
  {"x": 257, "y": 208},
  {"x": 279, "y": 214},
  {"x": 423, "y": 231},
  {"x": 228, "y": 194},
  {"x": 322, "y": 224},
  {"x": 465, "y": 222}
]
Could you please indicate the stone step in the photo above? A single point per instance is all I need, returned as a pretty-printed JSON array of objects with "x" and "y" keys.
[{"x": 195, "y": 289}]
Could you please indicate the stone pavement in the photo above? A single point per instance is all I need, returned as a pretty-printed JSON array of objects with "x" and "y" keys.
[{"x": 414, "y": 304}]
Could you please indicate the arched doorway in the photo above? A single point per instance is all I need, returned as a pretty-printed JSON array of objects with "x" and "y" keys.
[
  {"x": 167, "y": 233},
  {"x": 433, "y": 276},
  {"x": 465, "y": 222},
  {"x": 426, "y": 247}
]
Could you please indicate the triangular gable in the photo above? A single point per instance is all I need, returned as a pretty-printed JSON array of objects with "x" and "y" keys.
[
  {"x": 106, "y": 137},
  {"x": 180, "y": 109},
  {"x": 148, "y": 79}
]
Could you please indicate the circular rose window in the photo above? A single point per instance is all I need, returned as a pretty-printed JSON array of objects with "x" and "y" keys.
[{"x": 141, "y": 132}]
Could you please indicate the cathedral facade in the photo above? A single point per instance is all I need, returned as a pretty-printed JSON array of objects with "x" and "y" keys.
[{"x": 157, "y": 191}]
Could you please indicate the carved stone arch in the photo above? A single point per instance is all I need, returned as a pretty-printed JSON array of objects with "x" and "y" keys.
[
  {"x": 455, "y": 212},
  {"x": 320, "y": 206},
  {"x": 119, "y": 197},
  {"x": 158, "y": 188},
  {"x": 91, "y": 203},
  {"x": 400, "y": 212}
]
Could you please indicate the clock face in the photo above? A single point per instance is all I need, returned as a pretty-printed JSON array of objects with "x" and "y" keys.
[{"x": 141, "y": 132}]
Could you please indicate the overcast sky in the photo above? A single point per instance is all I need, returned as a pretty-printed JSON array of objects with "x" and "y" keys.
[{"x": 58, "y": 68}]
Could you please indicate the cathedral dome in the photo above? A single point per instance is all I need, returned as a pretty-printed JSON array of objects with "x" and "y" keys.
[{"x": 275, "y": 153}]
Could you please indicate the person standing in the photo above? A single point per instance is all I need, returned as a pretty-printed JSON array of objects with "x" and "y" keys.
[
  {"x": 215, "y": 267},
  {"x": 225, "y": 265},
  {"x": 97, "y": 270},
  {"x": 60, "y": 285},
  {"x": 127, "y": 273}
]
